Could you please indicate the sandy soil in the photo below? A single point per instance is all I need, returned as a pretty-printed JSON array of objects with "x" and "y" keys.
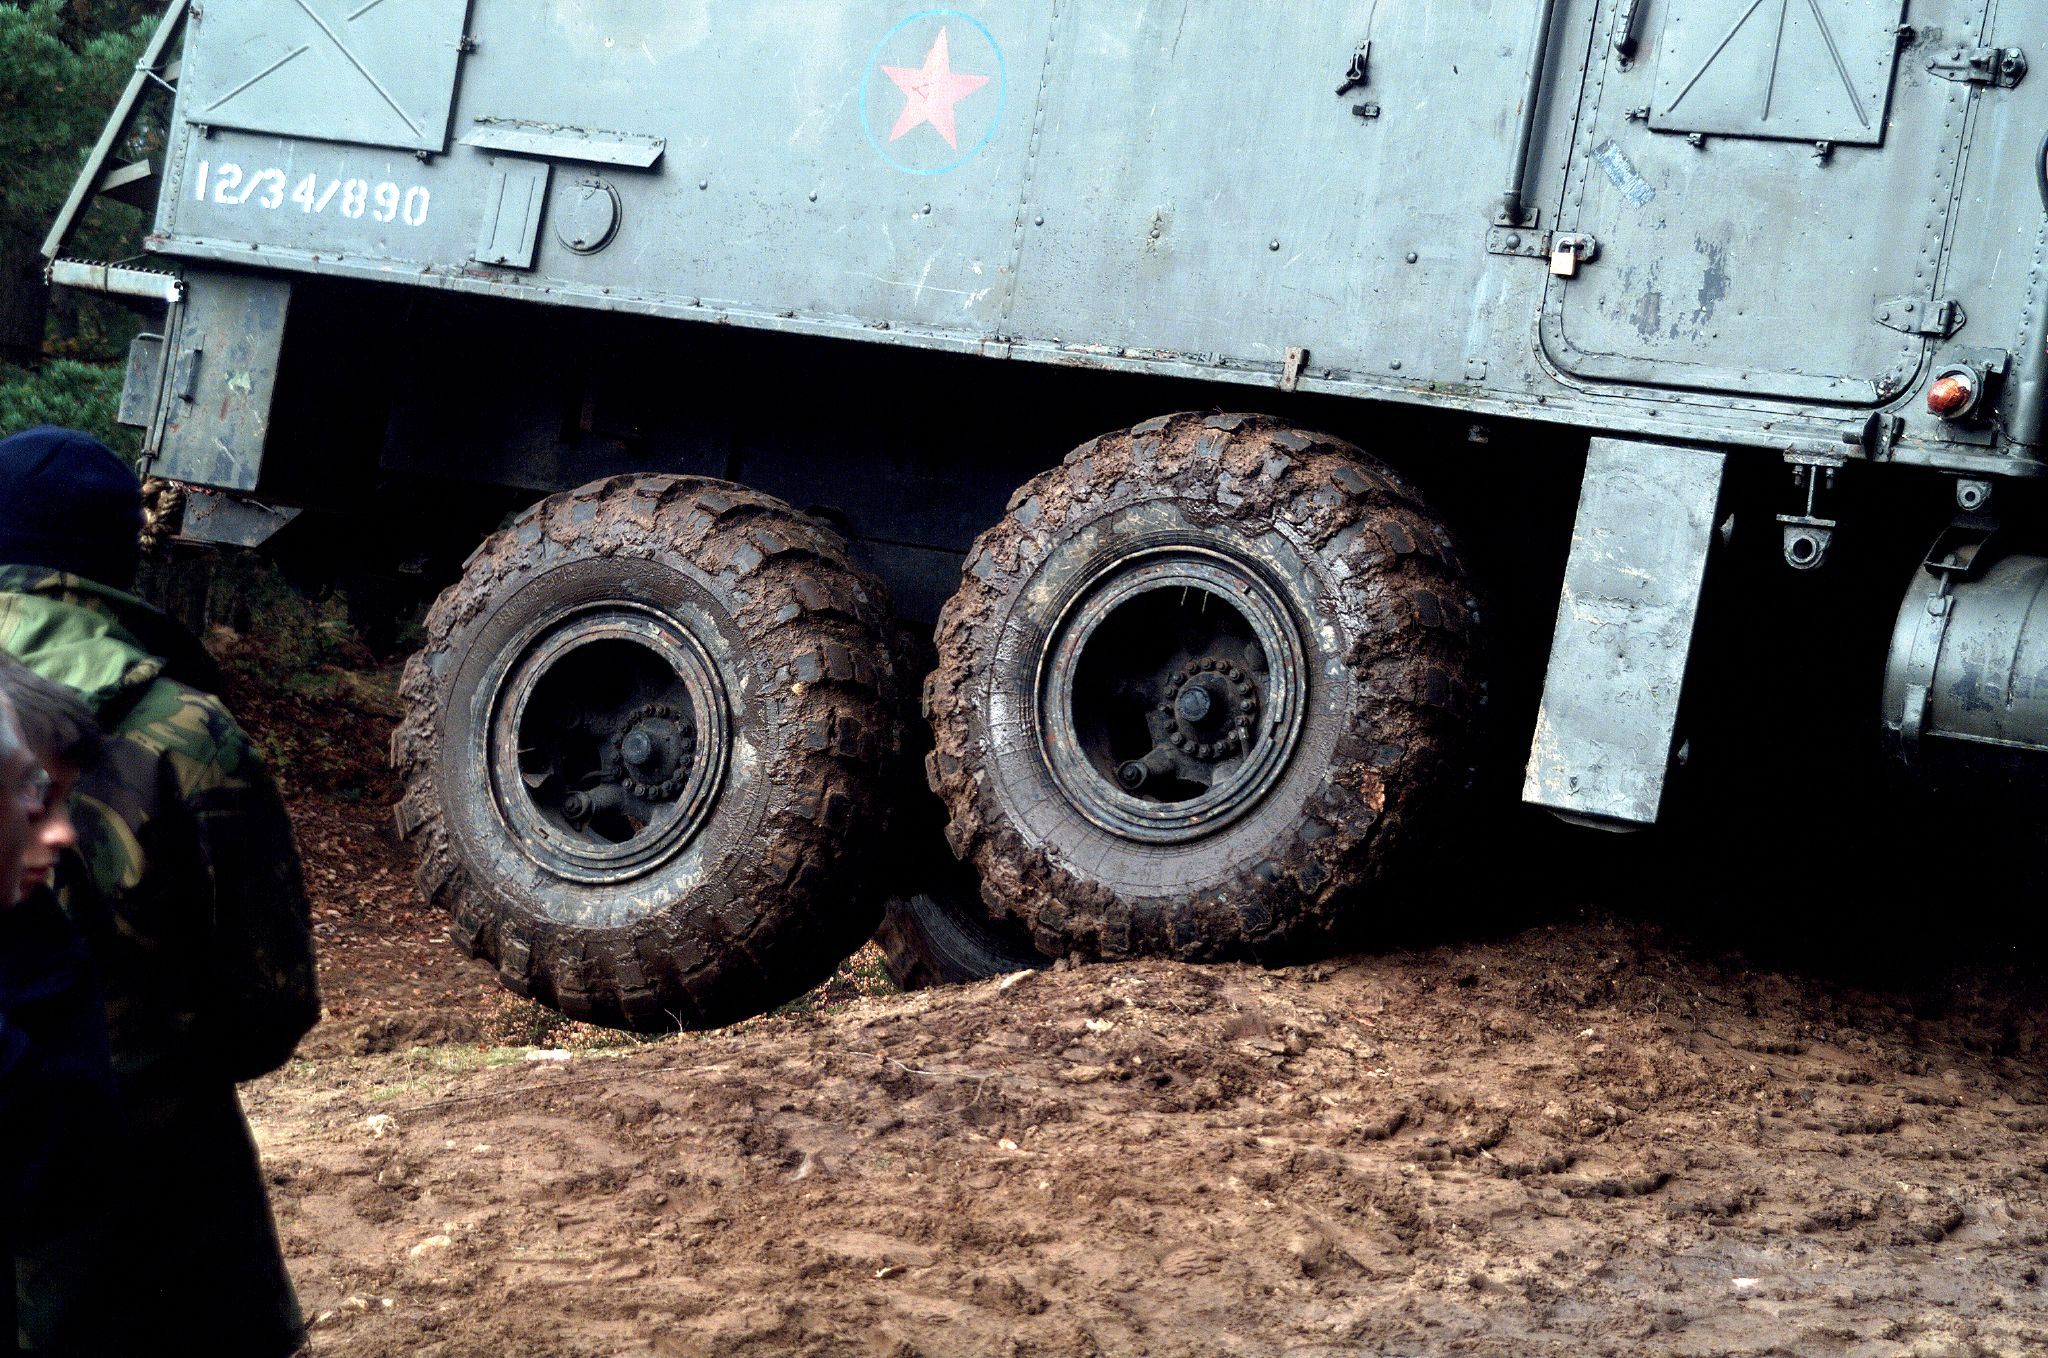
[{"x": 1585, "y": 1138}]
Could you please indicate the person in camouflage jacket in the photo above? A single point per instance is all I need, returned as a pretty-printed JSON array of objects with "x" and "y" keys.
[{"x": 196, "y": 916}]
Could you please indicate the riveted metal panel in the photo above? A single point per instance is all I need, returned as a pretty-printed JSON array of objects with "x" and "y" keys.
[
  {"x": 1624, "y": 631},
  {"x": 221, "y": 378},
  {"x": 1803, "y": 70},
  {"x": 1250, "y": 211},
  {"x": 1183, "y": 190},
  {"x": 1738, "y": 261},
  {"x": 373, "y": 72},
  {"x": 512, "y": 213}
]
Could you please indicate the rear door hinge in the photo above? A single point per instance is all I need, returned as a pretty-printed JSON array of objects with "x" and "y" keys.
[
  {"x": 1939, "y": 316},
  {"x": 1999, "y": 67}
]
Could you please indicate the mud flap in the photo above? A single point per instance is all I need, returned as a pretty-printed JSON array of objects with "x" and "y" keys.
[
  {"x": 1625, "y": 619},
  {"x": 219, "y": 379}
]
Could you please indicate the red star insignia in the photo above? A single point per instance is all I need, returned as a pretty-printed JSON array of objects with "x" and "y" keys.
[{"x": 931, "y": 91}]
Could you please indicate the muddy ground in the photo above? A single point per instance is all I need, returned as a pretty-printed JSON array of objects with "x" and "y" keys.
[{"x": 1597, "y": 1135}]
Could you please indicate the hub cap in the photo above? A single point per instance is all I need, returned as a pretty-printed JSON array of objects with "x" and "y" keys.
[{"x": 1171, "y": 692}]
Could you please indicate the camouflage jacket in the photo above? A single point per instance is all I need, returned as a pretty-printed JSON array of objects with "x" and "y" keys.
[{"x": 192, "y": 902}]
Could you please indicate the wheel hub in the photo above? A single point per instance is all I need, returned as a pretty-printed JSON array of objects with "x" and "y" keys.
[
  {"x": 608, "y": 742},
  {"x": 654, "y": 752},
  {"x": 1171, "y": 693},
  {"x": 1215, "y": 703}
]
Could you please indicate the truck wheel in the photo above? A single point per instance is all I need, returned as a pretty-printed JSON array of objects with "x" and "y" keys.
[
  {"x": 1198, "y": 690},
  {"x": 643, "y": 747},
  {"x": 934, "y": 929},
  {"x": 942, "y": 937}
]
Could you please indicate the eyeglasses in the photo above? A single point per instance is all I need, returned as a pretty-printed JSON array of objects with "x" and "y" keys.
[{"x": 34, "y": 791}]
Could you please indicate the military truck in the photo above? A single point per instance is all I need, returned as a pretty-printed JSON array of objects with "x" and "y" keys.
[{"x": 805, "y": 321}]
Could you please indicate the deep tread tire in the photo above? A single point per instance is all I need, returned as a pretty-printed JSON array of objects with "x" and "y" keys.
[
  {"x": 749, "y": 914},
  {"x": 1381, "y": 601},
  {"x": 945, "y": 938},
  {"x": 934, "y": 929}
]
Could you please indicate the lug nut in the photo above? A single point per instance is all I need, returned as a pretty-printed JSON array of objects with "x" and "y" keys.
[{"x": 1132, "y": 775}]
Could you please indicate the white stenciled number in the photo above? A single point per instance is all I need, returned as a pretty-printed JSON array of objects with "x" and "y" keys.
[
  {"x": 267, "y": 188},
  {"x": 270, "y": 188},
  {"x": 230, "y": 179}
]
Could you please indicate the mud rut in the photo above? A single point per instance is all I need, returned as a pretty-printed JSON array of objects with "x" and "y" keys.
[
  {"x": 1572, "y": 1141},
  {"x": 1584, "y": 1138}
]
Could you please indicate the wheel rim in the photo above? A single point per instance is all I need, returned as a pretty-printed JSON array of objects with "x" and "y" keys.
[
  {"x": 1170, "y": 693},
  {"x": 607, "y": 741}
]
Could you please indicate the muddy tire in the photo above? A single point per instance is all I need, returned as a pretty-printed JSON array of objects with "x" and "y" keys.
[
  {"x": 934, "y": 930},
  {"x": 643, "y": 747},
  {"x": 946, "y": 938},
  {"x": 1322, "y": 612}
]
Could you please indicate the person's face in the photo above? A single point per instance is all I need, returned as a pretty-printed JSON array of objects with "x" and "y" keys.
[
  {"x": 20, "y": 777},
  {"x": 51, "y": 832}
]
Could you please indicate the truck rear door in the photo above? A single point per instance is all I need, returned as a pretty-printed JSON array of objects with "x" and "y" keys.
[{"x": 1769, "y": 183}]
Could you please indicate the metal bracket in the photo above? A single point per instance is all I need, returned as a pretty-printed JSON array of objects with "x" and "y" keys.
[
  {"x": 1999, "y": 67},
  {"x": 1960, "y": 551},
  {"x": 185, "y": 370},
  {"x": 1290, "y": 372},
  {"x": 1515, "y": 240},
  {"x": 215, "y": 517},
  {"x": 1809, "y": 535},
  {"x": 1939, "y": 316}
]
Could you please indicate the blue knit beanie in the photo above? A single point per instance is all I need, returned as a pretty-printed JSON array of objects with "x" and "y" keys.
[{"x": 68, "y": 503}]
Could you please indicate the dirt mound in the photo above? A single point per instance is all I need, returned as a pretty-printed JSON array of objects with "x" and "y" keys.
[
  {"x": 1587, "y": 1138},
  {"x": 1579, "y": 1140}
]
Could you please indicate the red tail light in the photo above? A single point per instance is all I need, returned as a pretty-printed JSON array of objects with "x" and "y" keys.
[{"x": 1952, "y": 395}]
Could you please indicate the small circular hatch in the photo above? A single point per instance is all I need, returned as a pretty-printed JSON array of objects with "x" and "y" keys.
[{"x": 588, "y": 217}]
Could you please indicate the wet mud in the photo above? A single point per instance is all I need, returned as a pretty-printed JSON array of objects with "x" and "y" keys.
[{"x": 1581, "y": 1139}]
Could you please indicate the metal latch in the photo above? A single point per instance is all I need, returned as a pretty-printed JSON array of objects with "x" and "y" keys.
[
  {"x": 1999, "y": 67},
  {"x": 1565, "y": 250},
  {"x": 1354, "y": 75},
  {"x": 1940, "y": 316},
  {"x": 1570, "y": 249},
  {"x": 1355, "y": 79}
]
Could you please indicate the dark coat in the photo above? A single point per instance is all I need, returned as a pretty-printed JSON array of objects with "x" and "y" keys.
[
  {"x": 56, "y": 1078},
  {"x": 193, "y": 909}
]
